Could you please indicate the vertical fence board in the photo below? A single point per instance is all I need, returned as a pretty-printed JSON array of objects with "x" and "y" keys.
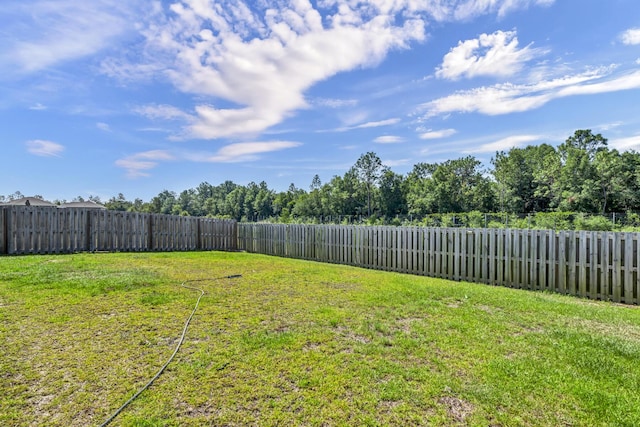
[
  {"x": 571, "y": 262},
  {"x": 616, "y": 268},
  {"x": 606, "y": 267},
  {"x": 627, "y": 290}
]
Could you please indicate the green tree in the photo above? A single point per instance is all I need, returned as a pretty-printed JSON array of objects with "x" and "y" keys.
[
  {"x": 163, "y": 202},
  {"x": 392, "y": 196},
  {"x": 263, "y": 201},
  {"x": 284, "y": 202},
  {"x": 578, "y": 185},
  {"x": 119, "y": 203},
  {"x": 316, "y": 184},
  {"x": 520, "y": 176},
  {"x": 368, "y": 169},
  {"x": 452, "y": 186},
  {"x": 234, "y": 203},
  {"x": 344, "y": 195}
]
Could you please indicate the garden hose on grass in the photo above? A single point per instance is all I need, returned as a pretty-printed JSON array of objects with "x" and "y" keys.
[{"x": 184, "y": 333}]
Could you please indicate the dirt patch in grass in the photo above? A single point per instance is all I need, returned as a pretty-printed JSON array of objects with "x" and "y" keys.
[
  {"x": 622, "y": 331},
  {"x": 457, "y": 409}
]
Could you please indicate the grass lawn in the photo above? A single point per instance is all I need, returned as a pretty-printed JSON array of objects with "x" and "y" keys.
[{"x": 301, "y": 343}]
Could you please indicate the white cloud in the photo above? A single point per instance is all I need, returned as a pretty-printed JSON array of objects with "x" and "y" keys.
[
  {"x": 38, "y": 107},
  {"x": 514, "y": 141},
  {"x": 40, "y": 147},
  {"x": 631, "y": 36},
  {"x": 465, "y": 10},
  {"x": 41, "y": 33},
  {"x": 162, "y": 112},
  {"x": 366, "y": 125},
  {"x": 437, "y": 134},
  {"x": 494, "y": 54},
  {"x": 608, "y": 126},
  {"x": 262, "y": 59},
  {"x": 397, "y": 162},
  {"x": 509, "y": 98},
  {"x": 624, "y": 144},
  {"x": 388, "y": 139},
  {"x": 245, "y": 151},
  {"x": 139, "y": 164},
  {"x": 380, "y": 123},
  {"x": 103, "y": 126},
  {"x": 335, "y": 103}
]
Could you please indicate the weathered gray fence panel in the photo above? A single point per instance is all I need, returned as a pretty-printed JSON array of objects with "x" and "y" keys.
[
  {"x": 36, "y": 230},
  {"x": 599, "y": 265},
  {"x": 3, "y": 231}
]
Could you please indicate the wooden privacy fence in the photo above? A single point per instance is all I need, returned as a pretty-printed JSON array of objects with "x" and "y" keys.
[
  {"x": 36, "y": 230},
  {"x": 593, "y": 264}
]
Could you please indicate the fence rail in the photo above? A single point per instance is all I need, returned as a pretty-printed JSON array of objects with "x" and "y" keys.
[
  {"x": 35, "y": 230},
  {"x": 593, "y": 264}
]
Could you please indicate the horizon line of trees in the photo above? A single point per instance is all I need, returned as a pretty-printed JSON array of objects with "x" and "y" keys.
[{"x": 581, "y": 175}]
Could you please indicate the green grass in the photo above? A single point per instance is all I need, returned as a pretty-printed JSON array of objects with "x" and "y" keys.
[{"x": 301, "y": 343}]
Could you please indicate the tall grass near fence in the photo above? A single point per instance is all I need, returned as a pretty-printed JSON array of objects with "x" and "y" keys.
[{"x": 597, "y": 265}]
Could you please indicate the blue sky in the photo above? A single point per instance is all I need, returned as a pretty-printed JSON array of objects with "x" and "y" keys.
[{"x": 104, "y": 96}]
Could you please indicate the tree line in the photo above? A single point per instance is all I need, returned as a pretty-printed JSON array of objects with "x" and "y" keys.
[{"x": 581, "y": 175}]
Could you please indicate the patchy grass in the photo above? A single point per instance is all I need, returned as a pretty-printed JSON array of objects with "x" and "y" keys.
[{"x": 301, "y": 343}]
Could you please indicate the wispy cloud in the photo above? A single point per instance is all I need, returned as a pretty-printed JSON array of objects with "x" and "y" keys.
[
  {"x": 335, "y": 103},
  {"x": 437, "y": 134},
  {"x": 386, "y": 122},
  {"x": 507, "y": 143},
  {"x": 161, "y": 112},
  {"x": 44, "y": 148},
  {"x": 366, "y": 125},
  {"x": 467, "y": 9},
  {"x": 624, "y": 144},
  {"x": 103, "y": 127},
  {"x": 494, "y": 54},
  {"x": 246, "y": 151},
  {"x": 388, "y": 139},
  {"x": 38, "y": 107},
  {"x": 395, "y": 163},
  {"x": 510, "y": 98},
  {"x": 58, "y": 31},
  {"x": 139, "y": 164},
  {"x": 631, "y": 36}
]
